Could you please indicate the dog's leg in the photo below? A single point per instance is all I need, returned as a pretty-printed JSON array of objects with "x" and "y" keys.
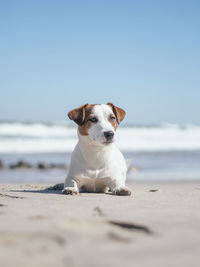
[
  {"x": 70, "y": 188},
  {"x": 118, "y": 187}
]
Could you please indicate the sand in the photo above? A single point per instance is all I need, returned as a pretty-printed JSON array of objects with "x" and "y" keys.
[{"x": 159, "y": 225}]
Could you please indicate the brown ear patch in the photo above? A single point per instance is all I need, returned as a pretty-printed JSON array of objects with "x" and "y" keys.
[
  {"x": 119, "y": 112},
  {"x": 83, "y": 129},
  {"x": 80, "y": 116}
]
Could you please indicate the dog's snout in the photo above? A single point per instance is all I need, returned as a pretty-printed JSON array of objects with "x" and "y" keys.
[{"x": 109, "y": 135}]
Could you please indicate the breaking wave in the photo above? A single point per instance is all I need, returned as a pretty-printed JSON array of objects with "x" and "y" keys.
[{"x": 59, "y": 137}]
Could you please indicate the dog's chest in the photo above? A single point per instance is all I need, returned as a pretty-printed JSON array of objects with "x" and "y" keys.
[
  {"x": 97, "y": 164},
  {"x": 95, "y": 173}
]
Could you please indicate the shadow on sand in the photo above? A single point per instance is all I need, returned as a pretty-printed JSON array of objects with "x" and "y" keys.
[{"x": 55, "y": 189}]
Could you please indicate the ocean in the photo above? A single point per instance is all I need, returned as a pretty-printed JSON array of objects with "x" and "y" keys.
[{"x": 159, "y": 152}]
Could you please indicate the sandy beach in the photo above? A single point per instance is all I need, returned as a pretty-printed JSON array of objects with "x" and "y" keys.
[{"x": 159, "y": 225}]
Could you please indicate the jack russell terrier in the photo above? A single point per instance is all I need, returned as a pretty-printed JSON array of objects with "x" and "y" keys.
[{"x": 96, "y": 164}]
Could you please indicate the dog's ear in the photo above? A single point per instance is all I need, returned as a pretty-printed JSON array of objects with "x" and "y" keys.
[
  {"x": 78, "y": 115},
  {"x": 119, "y": 112}
]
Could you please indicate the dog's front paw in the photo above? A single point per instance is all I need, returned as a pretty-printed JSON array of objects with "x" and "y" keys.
[
  {"x": 124, "y": 191},
  {"x": 69, "y": 191}
]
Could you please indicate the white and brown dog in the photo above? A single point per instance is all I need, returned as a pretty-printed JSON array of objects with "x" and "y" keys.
[{"x": 97, "y": 165}]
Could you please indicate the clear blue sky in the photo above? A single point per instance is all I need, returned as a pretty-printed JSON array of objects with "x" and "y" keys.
[{"x": 141, "y": 55}]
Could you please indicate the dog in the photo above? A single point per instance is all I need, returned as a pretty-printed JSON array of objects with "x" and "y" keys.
[{"x": 96, "y": 164}]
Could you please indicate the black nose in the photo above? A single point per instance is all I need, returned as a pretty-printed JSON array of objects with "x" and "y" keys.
[{"x": 108, "y": 135}]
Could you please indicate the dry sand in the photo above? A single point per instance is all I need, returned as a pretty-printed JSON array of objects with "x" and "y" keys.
[{"x": 159, "y": 225}]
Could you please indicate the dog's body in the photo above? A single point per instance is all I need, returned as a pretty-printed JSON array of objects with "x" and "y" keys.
[{"x": 96, "y": 163}]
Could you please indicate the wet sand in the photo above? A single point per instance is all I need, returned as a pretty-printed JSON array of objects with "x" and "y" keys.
[{"x": 159, "y": 225}]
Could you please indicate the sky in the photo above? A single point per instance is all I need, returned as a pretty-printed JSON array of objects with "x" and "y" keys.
[{"x": 143, "y": 56}]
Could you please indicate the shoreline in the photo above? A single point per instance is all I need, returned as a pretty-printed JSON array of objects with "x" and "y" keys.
[{"x": 54, "y": 167}]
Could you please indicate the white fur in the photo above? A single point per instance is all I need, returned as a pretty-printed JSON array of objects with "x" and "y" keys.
[
  {"x": 96, "y": 166},
  {"x": 102, "y": 113}
]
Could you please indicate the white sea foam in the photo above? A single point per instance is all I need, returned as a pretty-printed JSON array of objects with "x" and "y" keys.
[{"x": 47, "y": 138}]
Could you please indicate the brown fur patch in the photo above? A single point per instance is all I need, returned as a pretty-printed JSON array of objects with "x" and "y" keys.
[
  {"x": 113, "y": 122},
  {"x": 83, "y": 129},
  {"x": 78, "y": 114},
  {"x": 119, "y": 112}
]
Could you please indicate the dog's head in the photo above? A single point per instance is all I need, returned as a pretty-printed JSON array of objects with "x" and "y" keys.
[{"x": 98, "y": 121}]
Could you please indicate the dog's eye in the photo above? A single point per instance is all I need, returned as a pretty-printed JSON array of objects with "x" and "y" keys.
[
  {"x": 93, "y": 119},
  {"x": 112, "y": 118}
]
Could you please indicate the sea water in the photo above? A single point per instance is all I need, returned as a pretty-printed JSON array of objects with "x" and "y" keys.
[{"x": 157, "y": 152}]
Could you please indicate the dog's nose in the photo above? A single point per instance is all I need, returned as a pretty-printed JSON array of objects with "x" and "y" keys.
[{"x": 109, "y": 135}]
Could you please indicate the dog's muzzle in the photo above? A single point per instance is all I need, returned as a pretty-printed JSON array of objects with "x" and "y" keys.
[{"x": 109, "y": 135}]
